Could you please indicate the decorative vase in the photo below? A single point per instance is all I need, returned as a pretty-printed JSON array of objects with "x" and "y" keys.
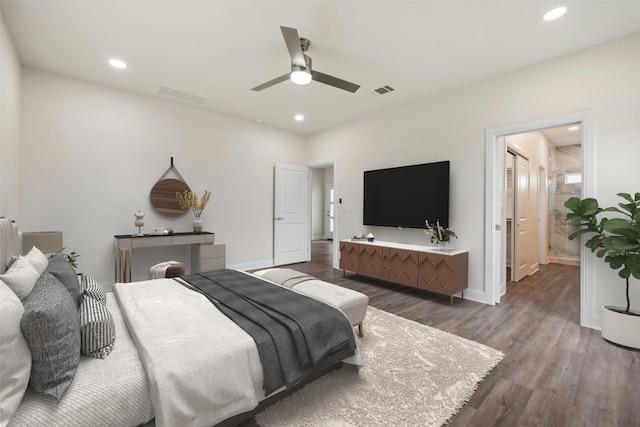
[
  {"x": 197, "y": 225},
  {"x": 620, "y": 328},
  {"x": 445, "y": 246}
]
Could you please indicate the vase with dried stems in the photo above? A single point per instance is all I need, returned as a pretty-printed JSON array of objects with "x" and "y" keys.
[{"x": 191, "y": 200}]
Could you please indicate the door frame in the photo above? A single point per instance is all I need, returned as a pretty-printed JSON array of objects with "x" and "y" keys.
[{"x": 495, "y": 222}]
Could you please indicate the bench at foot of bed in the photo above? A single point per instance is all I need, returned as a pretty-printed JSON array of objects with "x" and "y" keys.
[{"x": 352, "y": 303}]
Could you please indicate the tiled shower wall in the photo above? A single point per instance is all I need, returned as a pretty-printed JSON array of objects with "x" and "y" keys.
[{"x": 563, "y": 160}]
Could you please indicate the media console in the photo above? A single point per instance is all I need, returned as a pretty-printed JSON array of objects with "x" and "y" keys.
[{"x": 443, "y": 272}]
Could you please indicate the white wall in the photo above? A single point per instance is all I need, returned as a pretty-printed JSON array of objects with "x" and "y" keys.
[
  {"x": 90, "y": 155},
  {"x": 9, "y": 124},
  {"x": 451, "y": 126}
]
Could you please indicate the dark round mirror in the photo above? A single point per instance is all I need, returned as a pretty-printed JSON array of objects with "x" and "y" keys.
[{"x": 163, "y": 196}]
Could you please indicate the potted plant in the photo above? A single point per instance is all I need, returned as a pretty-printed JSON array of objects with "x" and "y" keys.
[
  {"x": 617, "y": 240},
  {"x": 440, "y": 235},
  {"x": 72, "y": 257}
]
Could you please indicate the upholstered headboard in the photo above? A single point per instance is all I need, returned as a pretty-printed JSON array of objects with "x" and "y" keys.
[{"x": 10, "y": 242}]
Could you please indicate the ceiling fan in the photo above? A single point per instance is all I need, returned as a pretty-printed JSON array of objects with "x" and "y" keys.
[{"x": 301, "y": 72}]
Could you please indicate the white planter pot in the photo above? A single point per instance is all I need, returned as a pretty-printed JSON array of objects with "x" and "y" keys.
[{"x": 620, "y": 328}]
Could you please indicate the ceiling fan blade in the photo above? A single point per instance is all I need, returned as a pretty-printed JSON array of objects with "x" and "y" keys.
[
  {"x": 272, "y": 82},
  {"x": 292, "y": 40},
  {"x": 334, "y": 81}
]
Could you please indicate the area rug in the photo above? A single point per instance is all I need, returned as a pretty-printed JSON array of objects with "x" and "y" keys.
[{"x": 414, "y": 375}]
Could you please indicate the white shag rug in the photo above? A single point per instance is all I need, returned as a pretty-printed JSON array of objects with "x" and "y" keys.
[{"x": 414, "y": 375}]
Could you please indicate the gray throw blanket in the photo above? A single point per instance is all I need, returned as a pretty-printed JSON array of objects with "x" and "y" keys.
[{"x": 295, "y": 334}]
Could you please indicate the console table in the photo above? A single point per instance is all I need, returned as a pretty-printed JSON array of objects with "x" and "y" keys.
[
  {"x": 444, "y": 272},
  {"x": 204, "y": 254}
]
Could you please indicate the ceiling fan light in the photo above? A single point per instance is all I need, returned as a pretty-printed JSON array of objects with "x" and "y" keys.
[{"x": 300, "y": 77}]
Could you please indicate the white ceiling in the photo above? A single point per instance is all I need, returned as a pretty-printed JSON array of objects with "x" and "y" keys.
[
  {"x": 563, "y": 136},
  {"x": 221, "y": 49}
]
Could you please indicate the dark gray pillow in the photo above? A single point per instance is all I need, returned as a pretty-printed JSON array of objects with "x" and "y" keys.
[
  {"x": 51, "y": 327},
  {"x": 90, "y": 287},
  {"x": 62, "y": 269},
  {"x": 97, "y": 330}
]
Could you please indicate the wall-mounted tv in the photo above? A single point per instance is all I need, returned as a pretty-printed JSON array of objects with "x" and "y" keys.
[{"x": 405, "y": 196}]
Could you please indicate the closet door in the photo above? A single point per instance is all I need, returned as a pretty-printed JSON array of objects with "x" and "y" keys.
[{"x": 522, "y": 219}]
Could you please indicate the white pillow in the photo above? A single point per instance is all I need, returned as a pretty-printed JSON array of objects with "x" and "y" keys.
[
  {"x": 37, "y": 259},
  {"x": 21, "y": 277},
  {"x": 15, "y": 357}
]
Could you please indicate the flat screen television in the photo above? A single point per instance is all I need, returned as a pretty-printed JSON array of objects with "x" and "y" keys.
[{"x": 405, "y": 196}]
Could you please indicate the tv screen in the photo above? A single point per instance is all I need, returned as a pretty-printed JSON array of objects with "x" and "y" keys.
[{"x": 406, "y": 196}]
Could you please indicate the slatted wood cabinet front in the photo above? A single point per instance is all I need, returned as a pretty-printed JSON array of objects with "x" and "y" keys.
[{"x": 440, "y": 272}]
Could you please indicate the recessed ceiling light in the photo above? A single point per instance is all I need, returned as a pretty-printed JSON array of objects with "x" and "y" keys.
[
  {"x": 555, "y": 13},
  {"x": 573, "y": 128},
  {"x": 259, "y": 120},
  {"x": 299, "y": 117},
  {"x": 117, "y": 63}
]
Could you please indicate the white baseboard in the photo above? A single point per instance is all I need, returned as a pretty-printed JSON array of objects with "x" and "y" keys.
[
  {"x": 474, "y": 295},
  {"x": 597, "y": 322}
]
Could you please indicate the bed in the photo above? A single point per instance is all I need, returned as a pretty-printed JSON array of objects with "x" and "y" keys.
[{"x": 179, "y": 356}]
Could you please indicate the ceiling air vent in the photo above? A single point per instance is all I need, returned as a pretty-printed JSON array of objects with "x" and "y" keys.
[
  {"x": 181, "y": 94},
  {"x": 384, "y": 89}
]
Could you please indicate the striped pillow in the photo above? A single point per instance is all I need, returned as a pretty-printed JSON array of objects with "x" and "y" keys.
[
  {"x": 90, "y": 287},
  {"x": 97, "y": 330}
]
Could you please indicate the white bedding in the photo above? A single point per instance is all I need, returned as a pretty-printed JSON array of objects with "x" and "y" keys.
[
  {"x": 202, "y": 367},
  {"x": 119, "y": 381},
  {"x": 176, "y": 357}
]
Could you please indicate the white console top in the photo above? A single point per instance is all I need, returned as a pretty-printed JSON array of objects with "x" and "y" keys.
[{"x": 420, "y": 248}]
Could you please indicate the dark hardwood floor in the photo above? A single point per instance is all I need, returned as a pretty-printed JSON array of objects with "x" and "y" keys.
[{"x": 555, "y": 373}]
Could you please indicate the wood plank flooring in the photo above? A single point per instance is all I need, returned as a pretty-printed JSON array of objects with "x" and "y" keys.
[{"x": 555, "y": 373}]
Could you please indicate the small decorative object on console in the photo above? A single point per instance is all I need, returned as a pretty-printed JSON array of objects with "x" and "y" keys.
[
  {"x": 159, "y": 231},
  {"x": 370, "y": 237},
  {"x": 139, "y": 222},
  {"x": 190, "y": 200},
  {"x": 438, "y": 233}
]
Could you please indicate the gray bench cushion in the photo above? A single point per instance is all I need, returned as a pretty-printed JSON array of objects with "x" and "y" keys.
[{"x": 352, "y": 303}]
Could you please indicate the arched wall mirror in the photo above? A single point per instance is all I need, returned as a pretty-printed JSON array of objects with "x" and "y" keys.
[{"x": 163, "y": 193}]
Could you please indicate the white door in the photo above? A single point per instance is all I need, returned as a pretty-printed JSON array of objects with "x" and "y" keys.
[
  {"x": 534, "y": 189},
  {"x": 521, "y": 215},
  {"x": 330, "y": 205},
  {"x": 291, "y": 235}
]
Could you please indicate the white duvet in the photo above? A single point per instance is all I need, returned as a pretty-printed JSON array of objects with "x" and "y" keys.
[{"x": 202, "y": 368}]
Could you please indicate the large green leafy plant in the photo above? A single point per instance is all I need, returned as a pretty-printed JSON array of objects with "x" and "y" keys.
[{"x": 616, "y": 239}]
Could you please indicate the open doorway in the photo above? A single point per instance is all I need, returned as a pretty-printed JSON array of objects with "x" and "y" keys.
[
  {"x": 323, "y": 211},
  {"x": 543, "y": 169},
  {"x": 322, "y": 203},
  {"x": 495, "y": 220}
]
